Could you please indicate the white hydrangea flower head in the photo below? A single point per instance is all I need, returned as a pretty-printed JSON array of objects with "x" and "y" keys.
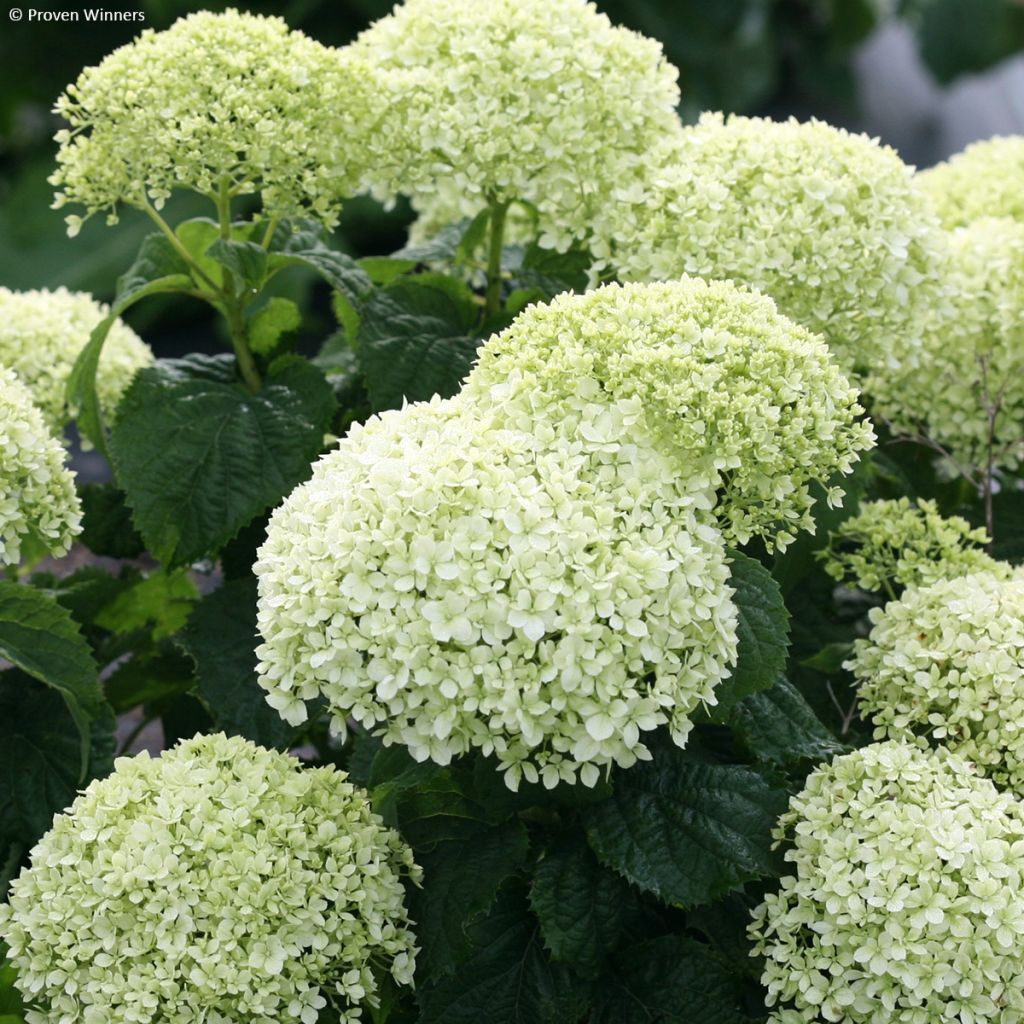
[
  {"x": 894, "y": 544},
  {"x": 38, "y": 501},
  {"x": 945, "y": 664},
  {"x": 830, "y": 224},
  {"x": 220, "y": 882},
  {"x": 228, "y": 97},
  {"x": 985, "y": 180},
  {"x": 454, "y": 585},
  {"x": 966, "y": 381},
  {"x": 41, "y": 335},
  {"x": 906, "y": 897},
  {"x": 729, "y": 389},
  {"x": 518, "y": 100}
]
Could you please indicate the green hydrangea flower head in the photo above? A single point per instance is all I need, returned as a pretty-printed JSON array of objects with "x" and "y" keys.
[
  {"x": 945, "y": 665},
  {"x": 220, "y": 882},
  {"x": 964, "y": 386},
  {"x": 517, "y": 100},
  {"x": 38, "y": 501},
  {"x": 830, "y": 224},
  {"x": 451, "y": 585},
  {"x": 905, "y": 900},
  {"x": 41, "y": 335},
  {"x": 889, "y": 545},
  {"x": 227, "y": 99},
  {"x": 729, "y": 389},
  {"x": 985, "y": 180}
]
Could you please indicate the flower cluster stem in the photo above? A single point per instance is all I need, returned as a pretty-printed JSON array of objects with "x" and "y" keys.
[{"x": 492, "y": 301}]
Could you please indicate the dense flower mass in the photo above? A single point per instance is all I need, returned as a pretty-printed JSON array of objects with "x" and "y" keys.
[
  {"x": 504, "y": 100},
  {"x": 453, "y": 585},
  {"x": 964, "y": 387},
  {"x": 221, "y": 883},
  {"x": 894, "y": 544},
  {"x": 230, "y": 100},
  {"x": 41, "y": 335},
  {"x": 906, "y": 898},
  {"x": 830, "y": 224},
  {"x": 945, "y": 663},
  {"x": 38, "y": 502},
  {"x": 730, "y": 390},
  {"x": 985, "y": 180}
]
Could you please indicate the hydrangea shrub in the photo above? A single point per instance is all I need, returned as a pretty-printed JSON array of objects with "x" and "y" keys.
[{"x": 984, "y": 180}]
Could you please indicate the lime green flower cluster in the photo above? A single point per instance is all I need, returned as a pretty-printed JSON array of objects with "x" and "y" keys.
[
  {"x": 831, "y": 225},
  {"x": 985, "y": 180},
  {"x": 505, "y": 101},
  {"x": 906, "y": 898},
  {"x": 945, "y": 663},
  {"x": 728, "y": 388},
  {"x": 893, "y": 544},
  {"x": 964, "y": 387},
  {"x": 38, "y": 501},
  {"x": 229, "y": 101},
  {"x": 42, "y": 333},
  {"x": 454, "y": 585},
  {"x": 220, "y": 882}
]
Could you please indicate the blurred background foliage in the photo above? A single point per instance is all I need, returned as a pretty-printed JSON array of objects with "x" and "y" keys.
[{"x": 753, "y": 56}]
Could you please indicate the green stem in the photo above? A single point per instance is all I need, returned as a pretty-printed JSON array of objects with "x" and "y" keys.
[
  {"x": 180, "y": 249},
  {"x": 492, "y": 303},
  {"x": 268, "y": 235}
]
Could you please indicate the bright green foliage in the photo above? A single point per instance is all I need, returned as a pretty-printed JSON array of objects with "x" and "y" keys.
[
  {"x": 830, "y": 224},
  {"x": 893, "y": 544},
  {"x": 38, "y": 503},
  {"x": 984, "y": 180},
  {"x": 183, "y": 839},
  {"x": 905, "y": 897},
  {"x": 945, "y": 664}
]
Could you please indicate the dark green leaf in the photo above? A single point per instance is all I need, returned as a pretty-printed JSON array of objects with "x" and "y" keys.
[
  {"x": 149, "y": 677},
  {"x": 11, "y": 1005},
  {"x": 221, "y": 638},
  {"x": 549, "y": 272},
  {"x": 958, "y": 37},
  {"x": 686, "y": 832},
  {"x": 442, "y": 248},
  {"x": 830, "y": 658},
  {"x": 302, "y": 244},
  {"x": 107, "y": 524},
  {"x": 199, "y": 456},
  {"x": 247, "y": 261},
  {"x": 271, "y": 322},
  {"x": 384, "y": 269}
]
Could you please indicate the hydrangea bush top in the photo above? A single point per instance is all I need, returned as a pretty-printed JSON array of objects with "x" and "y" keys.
[
  {"x": 219, "y": 882},
  {"x": 945, "y": 663},
  {"x": 458, "y": 585},
  {"x": 728, "y": 388},
  {"x": 41, "y": 336},
  {"x": 830, "y": 224},
  {"x": 38, "y": 501},
  {"x": 219, "y": 103},
  {"x": 906, "y": 897},
  {"x": 518, "y": 100},
  {"x": 984, "y": 180}
]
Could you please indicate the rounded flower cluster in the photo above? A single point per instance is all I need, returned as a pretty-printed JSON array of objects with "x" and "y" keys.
[
  {"x": 518, "y": 100},
  {"x": 453, "y": 585},
  {"x": 728, "y": 389},
  {"x": 41, "y": 335},
  {"x": 221, "y": 883},
  {"x": 964, "y": 387},
  {"x": 218, "y": 100},
  {"x": 906, "y": 898},
  {"x": 945, "y": 663},
  {"x": 895, "y": 544},
  {"x": 831, "y": 225},
  {"x": 985, "y": 180},
  {"x": 38, "y": 502}
]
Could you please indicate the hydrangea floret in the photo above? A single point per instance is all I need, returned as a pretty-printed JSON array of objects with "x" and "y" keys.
[
  {"x": 41, "y": 335},
  {"x": 728, "y": 388},
  {"x": 503, "y": 101},
  {"x": 893, "y": 544},
  {"x": 220, "y": 882},
  {"x": 905, "y": 900},
  {"x": 38, "y": 501},
  {"x": 985, "y": 180},
  {"x": 945, "y": 665},
  {"x": 450, "y": 584},
  {"x": 220, "y": 103},
  {"x": 830, "y": 224},
  {"x": 963, "y": 388}
]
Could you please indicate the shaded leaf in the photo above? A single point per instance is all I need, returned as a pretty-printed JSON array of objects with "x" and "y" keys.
[{"x": 107, "y": 524}]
